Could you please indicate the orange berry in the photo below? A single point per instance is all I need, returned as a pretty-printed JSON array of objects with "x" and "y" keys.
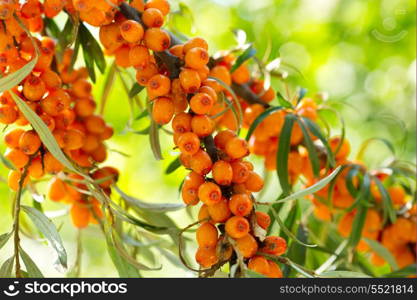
[
  {"x": 203, "y": 213},
  {"x": 51, "y": 79},
  {"x": 209, "y": 193},
  {"x": 196, "y": 58},
  {"x": 80, "y": 215},
  {"x": 190, "y": 80},
  {"x": 177, "y": 50},
  {"x": 344, "y": 149},
  {"x": 17, "y": 157},
  {"x": 100, "y": 153},
  {"x": 274, "y": 270},
  {"x": 57, "y": 189},
  {"x": 144, "y": 73},
  {"x": 94, "y": 124},
  {"x": 73, "y": 139},
  {"x": 247, "y": 246},
  {"x": 201, "y": 103},
  {"x": 222, "y": 172},
  {"x": 84, "y": 107},
  {"x": 221, "y": 73},
  {"x": 206, "y": 235},
  {"x": 182, "y": 122},
  {"x": 209, "y": 91},
  {"x": 29, "y": 142},
  {"x": 157, "y": 39},
  {"x": 158, "y": 85},
  {"x": 195, "y": 42},
  {"x": 162, "y": 5},
  {"x": 131, "y": 31},
  {"x": 240, "y": 172},
  {"x": 240, "y": 205},
  {"x": 34, "y": 88},
  {"x": 221, "y": 139},
  {"x": 107, "y": 133},
  {"x": 11, "y": 139},
  {"x": 8, "y": 114},
  {"x": 189, "y": 191},
  {"x": 219, "y": 212},
  {"x": 14, "y": 178},
  {"x": 254, "y": 183},
  {"x": 122, "y": 56},
  {"x": 237, "y": 227},
  {"x": 397, "y": 195},
  {"x": 237, "y": 148},
  {"x": 152, "y": 17},
  {"x": 189, "y": 143},
  {"x": 263, "y": 219},
  {"x": 201, "y": 162},
  {"x": 274, "y": 245},
  {"x": 35, "y": 169},
  {"x": 241, "y": 75},
  {"x": 162, "y": 110},
  {"x": 51, "y": 164},
  {"x": 206, "y": 257},
  {"x": 139, "y": 56},
  {"x": 202, "y": 125},
  {"x": 82, "y": 88},
  {"x": 259, "y": 264}
]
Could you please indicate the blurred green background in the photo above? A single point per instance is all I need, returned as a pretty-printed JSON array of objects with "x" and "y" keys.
[{"x": 362, "y": 54}]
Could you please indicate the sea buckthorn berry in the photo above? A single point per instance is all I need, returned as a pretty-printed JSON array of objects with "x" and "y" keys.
[
  {"x": 157, "y": 39},
  {"x": 35, "y": 169},
  {"x": 209, "y": 91},
  {"x": 52, "y": 105},
  {"x": 222, "y": 73},
  {"x": 8, "y": 114},
  {"x": 397, "y": 195},
  {"x": 34, "y": 88},
  {"x": 110, "y": 36},
  {"x": 80, "y": 215},
  {"x": 203, "y": 72},
  {"x": 213, "y": 84},
  {"x": 159, "y": 85},
  {"x": 11, "y": 139},
  {"x": 247, "y": 246},
  {"x": 263, "y": 219},
  {"x": 201, "y": 162},
  {"x": 274, "y": 270},
  {"x": 138, "y": 4},
  {"x": 152, "y": 17},
  {"x": 182, "y": 122},
  {"x": 201, "y": 103},
  {"x": 162, "y": 5},
  {"x": 259, "y": 264},
  {"x": 100, "y": 153},
  {"x": 221, "y": 138},
  {"x": 254, "y": 183},
  {"x": 73, "y": 139},
  {"x": 94, "y": 124},
  {"x": 107, "y": 133},
  {"x": 14, "y": 178},
  {"x": 240, "y": 172},
  {"x": 196, "y": 58},
  {"x": 240, "y": 205},
  {"x": 344, "y": 149},
  {"x": 53, "y": 7},
  {"x": 57, "y": 189},
  {"x": 237, "y": 227},
  {"x": 274, "y": 245},
  {"x": 203, "y": 213},
  {"x": 162, "y": 110},
  {"x": 7, "y": 7},
  {"x": 144, "y": 73},
  {"x": 209, "y": 193},
  {"x": 190, "y": 80},
  {"x": 121, "y": 56},
  {"x": 202, "y": 125},
  {"x": 177, "y": 50},
  {"x": 220, "y": 211},
  {"x": 81, "y": 88},
  {"x": 222, "y": 172},
  {"x": 17, "y": 157},
  {"x": 195, "y": 42},
  {"x": 131, "y": 31},
  {"x": 51, "y": 79},
  {"x": 185, "y": 160},
  {"x": 241, "y": 75},
  {"x": 29, "y": 142},
  {"x": 206, "y": 257},
  {"x": 268, "y": 95},
  {"x": 237, "y": 148},
  {"x": 207, "y": 235},
  {"x": 51, "y": 164},
  {"x": 189, "y": 143},
  {"x": 84, "y": 107},
  {"x": 139, "y": 55},
  {"x": 189, "y": 191}
]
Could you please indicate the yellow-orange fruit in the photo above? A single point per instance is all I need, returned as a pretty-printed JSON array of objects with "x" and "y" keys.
[
  {"x": 240, "y": 205},
  {"x": 57, "y": 189},
  {"x": 196, "y": 58},
  {"x": 259, "y": 264},
  {"x": 188, "y": 143},
  {"x": 209, "y": 193},
  {"x": 29, "y": 142},
  {"x": 190, "y": 80},
  {"x": 274, "y": 245},
  {"x": 240, "y": 172},
  {"x": 13, "y": 180},
  {"x": 52, "y": 165},
  {"x": 206, "y": 235},
  {"x": 80, "y": 215},
  {"x": 247, "y": 246},
  {"x": 221, "y": 138},
  {"x": 221, "y": 73},
  {"x": 195, "y": 42},
  {"x": 152, "y": 17},
  {"x": 157, "y": 39},
  {"x": 11, "y": 139},
  {"x": 219, "y": 212},
  {"x": 182, "y": 122},
  {"x": 17, "y": 157},
  {"x": 158, "y": 85},
  {"x": 237, "y": 227},
  {"x": 162, "y": 110},
  {"x": 222, "y": 172},
  {"x": 206, "y": 257},
  {"x": 131, "y": 31},
  {"x": 254, "y": 183},
  {"x": 241, "y": 75},
  {"x": 263, "y": 219},
  {"x": 274, "y": 270},
  {"x": 8, "y": 114},
  {"x": 237, "y": 148},
  {"x": 202, "y": 125},
  {"x": 139, "y": 56},
  {"x": 35, "y": 169},
  {"x": 201, "y": 162},
  {"x": 162, "y": 5},
  {"x": 201, "y": 103}
]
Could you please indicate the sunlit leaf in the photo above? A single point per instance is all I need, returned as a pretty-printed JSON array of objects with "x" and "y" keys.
[
  {"x": 31, "y": 268},
  {"x": 7, "y": 268},
  {"x": 246, "y": 55},
  {"x": 173, "y": 166},
  {"x": 4, "y": 238},
  {"x": 388, "y": 206},
  {"x": 136, "y": 89}
]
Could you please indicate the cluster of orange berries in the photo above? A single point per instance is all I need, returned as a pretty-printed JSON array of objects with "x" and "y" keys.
[
  {"x": 399, "y": 237},
  {"x": 61, "y": 97}
]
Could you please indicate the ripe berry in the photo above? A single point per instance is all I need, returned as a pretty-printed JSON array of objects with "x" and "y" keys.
[
  {"x": 157, "y": 39},
  {"x": 206, "y": 235},
  {"x": 247, "y": 246},
  {"x": 80, "y": 215},
  {"x": 162, "y": 110},
  {"x": 190, "y": 80},
  {"x": 202, "y": 125},
  {"x": 254, "y": 183},
  {"x": 237, "y": 227},
  {"x": 240, "y": 205},
  {"x": 189, "y": 143},
  {"x": 274, "y": 245},
  {"x": 181, "y": 122},
  {"x": 189, "y": 191},
  {"x": 131, "y": 31},
  {"x": 14, "y": 178},
  {"x": 201, "y": 103},
  {"x": 8, "y": 114},
  {"x": 221, "y": 73},
  {"x": 201, "y": 162},
  {"x": 162, "y": 5},
  {"x": 17, "y": 157},
  {"x": 152, "y": 17},
  {"x": 263, "y": 219},
  {"x": 139, "y": 56},
  {"x": 221, "y": 139},
  {"x": 196, "y": 58},
  {"x": 158, "y": 85},
  {"x": 195, "y": 42},
  {"x": 237, "y": 148},
  {"x": 220, "y": 211},
  {"x": 206, "y": 257},
  {"x": 259, "y": 264},
  {"x": 209, "y": 193},
  {"x": 29, "y": 142},
  {"x": 240, "y": 172},
  {"x": 274, "y": 270},
  {"x": 145, "y": 72},
  {"x": 222, "y": 172},
  {"x": 11, "y": 139}
]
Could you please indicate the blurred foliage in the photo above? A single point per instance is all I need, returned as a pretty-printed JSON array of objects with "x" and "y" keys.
[{"x": 360, "y": 53}]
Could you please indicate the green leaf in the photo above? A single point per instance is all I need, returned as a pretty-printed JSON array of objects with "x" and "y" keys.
[
  {"x": 107, "y": 87},
  {"x": 404, "y": 272},
  {"x": 343, "y": 274},
  {"x": 382, "y": 252},
  {"x": 247, "y": 54},
  {"x": 44, "y": 133},
  {"x": 7, "y": 268},
  {"x": 358, "y": 223},
  {"x": 13, "y": 79},
  {"x": 388, "y": 207},
  {"x": 52, "y": 28},
  {"x": 155, "y": 207},
  {"x": 299, "y": 269},
  {"x": 316, "y": 131},
  {"x": 311, "y": 189},
  {"x": 259, "y": 120},
  {"x": 283, "y": 102},
  {"x": 174, "y": 165},
  {"x": 298, "y": 252},
  {"x": 124, "y": 269},
  {"x": 48, "y": 229},
  {"x": 6, "y": 162},
  {"x": 136, "y": 89},
  {"x": 311, "y": 149},
  {"x": 4, "y": 238},
  {"x": 282, "y": 153},
  {"x": 154, "y": 137},
  {"x": 31, "y": 268},
  {"x": 252, "y": 274}
]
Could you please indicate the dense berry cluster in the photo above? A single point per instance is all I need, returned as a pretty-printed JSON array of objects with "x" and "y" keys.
[{"x": 61, "y": 97}]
